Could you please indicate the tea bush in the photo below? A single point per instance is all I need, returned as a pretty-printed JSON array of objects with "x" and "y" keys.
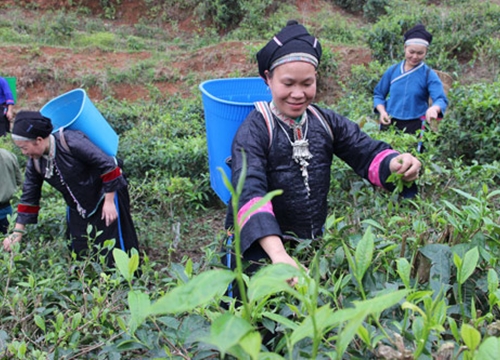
[
  {"x": 371, "y": 9},
  {"x": 390, "y": 275},
  {"x": 471, "y": 128},
  {"x": 455, "y": 32}
]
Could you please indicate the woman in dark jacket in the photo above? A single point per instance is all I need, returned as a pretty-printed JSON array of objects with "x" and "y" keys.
[
  {"x": 298, "y": 158},
  {"x": 90, "y": 181}
]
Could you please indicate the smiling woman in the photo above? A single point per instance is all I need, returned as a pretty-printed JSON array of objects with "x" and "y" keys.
[{"x": 299, "y": 159}]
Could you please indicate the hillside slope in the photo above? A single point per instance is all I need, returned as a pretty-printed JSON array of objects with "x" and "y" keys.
[{"x": 39, "y": 69}]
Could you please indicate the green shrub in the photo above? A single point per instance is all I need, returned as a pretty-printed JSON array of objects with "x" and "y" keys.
[
  {"x": 262, "y": 19},
  {"x": 471, "y": 129},
  {"x": 373, "y": 9},
  {"x": 487, "y": 58},
  {"x": 103, "y": 40},
  {"x": 337, "y": 29},
  {"x": 350, "y": 5},
  {"x": 363, "y": 78},
  {"x": 225, "y": 14},
  {"x": 456, "y": 32}
]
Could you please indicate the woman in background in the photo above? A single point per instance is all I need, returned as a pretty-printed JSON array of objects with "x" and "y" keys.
[
  {"x": 401, "y": 98},
  {"x": 90, "y": 181}
]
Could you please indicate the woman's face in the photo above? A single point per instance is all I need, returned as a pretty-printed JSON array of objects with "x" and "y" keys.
[
  {"x": 32, "y": 148},
  {"x": 415, "y": 54},
  {"x": 293, "y": 87}
]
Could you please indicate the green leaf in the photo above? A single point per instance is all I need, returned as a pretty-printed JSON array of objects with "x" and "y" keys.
[
  {"x": 414, "y": 308},
  {"x": 198, "y": 291},
  {"x": 227, "y": 331},
  {"x": 440, "y": 256},
  {"x": 251, "y": 344},
  {"x": 492, "y": 194},
  {"x": 457, "y": 260},
  {"x": 139, "y": 305},
  {"x": 364, "y": 335},
  {"x": 77, "y": 319},
  {"x": 133, "y": 264},
  {"x": 348, "y": 332},
  {"x": 470, "y": 336},
  {"x": 122, "y": 263},
  {"x": 323, "y": 318},
  {"x": 452, "y": 207},
  {"x": 466, "y": 195},
  {"x": 40, "y": 322},
  {"x": 381, "y": 302},
  {"x": 280, "y": 319},
  {"x": 404, "y": 271},
  {"x": 364, "y": 254},
  {"x": 469, "y": 264},
  {"x": 418, "y": 328},
  {"x": 454, "y": 328},
  {"x": 489, "y": 349},
  {"x": 492, "y": 281},
  {"x": 270, "y": 356},
  {"x": 373, "y": 223},
  {"x": 270, "y": 280}
]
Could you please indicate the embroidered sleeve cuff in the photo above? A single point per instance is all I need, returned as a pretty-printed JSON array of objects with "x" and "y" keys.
[
  {"x": 377, "y": 173},
  {"x": 28, "y": 209},
  {"x": 112, "y": 175},
  {"x": 260, "y": 225},
  {"x": 267, "y": 207}
]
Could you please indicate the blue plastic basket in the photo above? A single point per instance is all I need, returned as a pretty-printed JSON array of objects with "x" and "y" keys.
[
  {"x": 13, "y": 88},
  {"x": 74, "y": 111},
  {"x": 226, "y": 103}
]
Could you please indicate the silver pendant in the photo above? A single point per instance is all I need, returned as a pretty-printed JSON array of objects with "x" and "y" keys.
[{"x": 301, "y": 150}]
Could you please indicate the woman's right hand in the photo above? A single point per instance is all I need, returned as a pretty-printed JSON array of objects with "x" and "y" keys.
[
  {"x": 385, "y": 118},
  {"x": 274, "y": 248},
  {"x": 10, "y": 240}
]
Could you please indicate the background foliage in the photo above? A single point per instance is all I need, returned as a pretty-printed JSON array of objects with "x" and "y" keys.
[{"x": 392, "y": 278}]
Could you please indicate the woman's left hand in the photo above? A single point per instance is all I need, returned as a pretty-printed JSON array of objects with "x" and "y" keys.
[
  {"x": 109, "y": 213},
  {"x": 406, "y": 164}
]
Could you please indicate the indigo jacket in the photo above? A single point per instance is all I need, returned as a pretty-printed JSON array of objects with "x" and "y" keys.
[
  {"x": 82, "y": 173},
  {"x": 271, "y": 167}
]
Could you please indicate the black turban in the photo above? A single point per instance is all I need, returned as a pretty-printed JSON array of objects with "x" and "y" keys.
[
  {"x": 418, "y": 32},
  {"x": 32, "y": 124},
  {"x": 293, "y": 38}
]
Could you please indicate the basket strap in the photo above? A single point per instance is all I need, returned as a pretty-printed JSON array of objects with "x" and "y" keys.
[
  {"x": 322, "y": 120},
  {"x": 63, "y": 140},
  {"x": 263, "y": 108}
]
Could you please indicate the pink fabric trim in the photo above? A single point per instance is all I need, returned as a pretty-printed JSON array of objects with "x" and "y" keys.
[
  {"x": 268, "y": 207},
  {"x": 374, "y": 170}
]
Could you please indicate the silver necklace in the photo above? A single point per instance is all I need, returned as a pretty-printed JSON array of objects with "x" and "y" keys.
[
  {"x": 49, "y": 167},
  {"x": 300, "y": 150}
]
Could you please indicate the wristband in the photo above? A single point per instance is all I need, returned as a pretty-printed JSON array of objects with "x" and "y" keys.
[{"x": 19, "y": 231}]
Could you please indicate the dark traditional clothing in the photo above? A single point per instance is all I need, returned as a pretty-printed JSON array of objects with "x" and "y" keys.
[
  {"x": 418, "y": 35},
  {"x": 292, "y": 39},
  {"x": 299, "y": 211},
  {"x": 83, "y": 173}
]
